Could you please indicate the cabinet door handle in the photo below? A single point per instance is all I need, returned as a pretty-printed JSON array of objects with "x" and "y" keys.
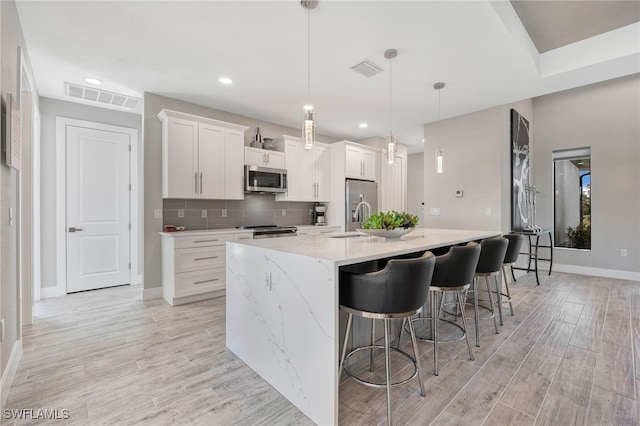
[
  {"x": 196, "y": 181},
  {"x": 206, "y": 258},
  {"x": 205, "y": 241},
  {"x": 207, "y": 281},
  {"x": 201, "y": 182},
  {"x": 72, "y": 229},
  {"x": 268, "y": 158}
]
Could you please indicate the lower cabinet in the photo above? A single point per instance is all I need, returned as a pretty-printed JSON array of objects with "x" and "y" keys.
[
  {"x": 317, "y": 230},
  {"x": 194, "y": 266}
]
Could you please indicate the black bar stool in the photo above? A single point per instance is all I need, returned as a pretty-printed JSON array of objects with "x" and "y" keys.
[
  {"x": 489, "y": 265},
  {"x": 454, "y": 272},
  {"x": 513, "y": 252},
  {"x": 398, "y": 291}
]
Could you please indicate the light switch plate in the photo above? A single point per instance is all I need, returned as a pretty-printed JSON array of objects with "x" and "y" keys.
[
  {"x": 158, "y": 214},
  {"x": 435, "y": 211},
  {"x": 488, "y": 211}
]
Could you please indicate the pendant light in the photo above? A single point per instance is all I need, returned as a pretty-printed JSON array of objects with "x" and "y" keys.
[
  {"x": 391, "y": 140},
  {"x": 308, "y": 114},
  {"x": 439, "y": 153}
]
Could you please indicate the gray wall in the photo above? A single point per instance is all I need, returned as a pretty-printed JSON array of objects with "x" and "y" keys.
[
  {"x": 605, "y": 117},
  {"x": 477, "y": 159},
  {"x": 152, "y": 136},
  {"x": 10, "y": 38},
  {"x": 415, "y": 184},
  {"x": 50, "y": 109}
]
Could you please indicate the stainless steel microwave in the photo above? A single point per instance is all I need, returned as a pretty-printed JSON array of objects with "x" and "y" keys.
[{"x": 264, "y": 179}]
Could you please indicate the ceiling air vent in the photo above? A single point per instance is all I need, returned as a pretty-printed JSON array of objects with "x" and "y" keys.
[
  {"x": 367, "y": 68},
  {"x": 101, "y": 96}
]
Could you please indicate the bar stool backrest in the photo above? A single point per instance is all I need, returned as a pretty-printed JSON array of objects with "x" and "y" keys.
[
  {"x": 513, "y": 251},
  {"x": 457, "y": 267},
  {"x": 492, "y": 255},
  {"x": 402, "y": 286}
]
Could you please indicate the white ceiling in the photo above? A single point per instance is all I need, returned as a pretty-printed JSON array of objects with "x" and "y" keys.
[{"x": 179, "y": 49}]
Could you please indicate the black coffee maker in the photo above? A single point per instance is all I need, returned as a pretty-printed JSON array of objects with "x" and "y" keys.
[{"x": 319, "y": 218}]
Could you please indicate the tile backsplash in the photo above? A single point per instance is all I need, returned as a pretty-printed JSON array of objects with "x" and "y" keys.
[{"x": 255, "y": 209}]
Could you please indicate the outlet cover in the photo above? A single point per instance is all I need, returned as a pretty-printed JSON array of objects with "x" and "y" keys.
[
  {"x": 158, "y": 214},
  {"x": 203, "y": 214},
  {"x": 224, "y": 212},
  {"x": 284, "y": 212},
  {"x": 487, "y": 211},
  {"x": 180, "y": 212},
  {"x": 623, "y": 252}
]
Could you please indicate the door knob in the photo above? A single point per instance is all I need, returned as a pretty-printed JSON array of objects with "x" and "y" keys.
[{"x": 72, "y": 229}]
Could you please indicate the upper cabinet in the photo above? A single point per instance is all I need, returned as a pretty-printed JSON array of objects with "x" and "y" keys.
[
  {"x": 360, "y": 162},
  {"x": 308, "y": 170},
  {"x": 201, "y": 157},
  {"x": 264, "y": 158}
]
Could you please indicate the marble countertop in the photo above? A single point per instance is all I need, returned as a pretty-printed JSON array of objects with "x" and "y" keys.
[{"x": 354, "y": 248}]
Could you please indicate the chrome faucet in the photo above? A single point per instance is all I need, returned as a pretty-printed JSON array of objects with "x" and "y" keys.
[{"x": 361, "y": 203}]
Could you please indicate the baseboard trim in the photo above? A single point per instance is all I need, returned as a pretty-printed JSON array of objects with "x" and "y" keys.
[
  {"x": 47, "y": 292},
  {"x": 10, "y": 372},
  {"x": 597, "y": 272},
  {"x": 152, "y": 293}
]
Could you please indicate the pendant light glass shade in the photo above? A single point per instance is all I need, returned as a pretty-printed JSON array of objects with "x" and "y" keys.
[
  {"x": 391, "y": 149},
  {"x": 308, "y": 115},
  {"x": 439, "y": 161},
  {"x": 308, "y": 127}
]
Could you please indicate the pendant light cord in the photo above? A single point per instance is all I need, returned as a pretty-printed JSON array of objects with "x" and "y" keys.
[
  {"x": 390, "y": 106},
  {"x": 308, "y": 56}
]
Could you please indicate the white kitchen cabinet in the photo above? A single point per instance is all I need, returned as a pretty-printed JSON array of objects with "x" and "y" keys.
[
  {"x": 308, "y": 170},
  {"x": 201, "y": 157},
  {"x": 264, "y": 158},
  {"x": 194, "y": 264},
  {"x": 360, "y": 162}
]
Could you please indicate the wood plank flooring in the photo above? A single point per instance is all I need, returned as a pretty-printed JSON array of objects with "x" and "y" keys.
[{"x": 570, "y": 355}]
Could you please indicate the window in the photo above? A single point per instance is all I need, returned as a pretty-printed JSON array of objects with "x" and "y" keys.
[{"x": 572, "y": 189}]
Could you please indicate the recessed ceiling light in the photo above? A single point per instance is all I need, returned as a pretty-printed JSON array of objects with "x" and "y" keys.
[
  {"x": 225, "y": 80},
  {"x": 92, "y": 80},
  {"x": 363, "y": 125}
]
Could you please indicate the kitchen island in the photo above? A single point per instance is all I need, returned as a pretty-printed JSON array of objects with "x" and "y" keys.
[{"x": 282, "y": 306}]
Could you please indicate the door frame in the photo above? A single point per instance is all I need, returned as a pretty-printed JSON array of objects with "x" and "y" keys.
[{"x": 61, "y": 196}]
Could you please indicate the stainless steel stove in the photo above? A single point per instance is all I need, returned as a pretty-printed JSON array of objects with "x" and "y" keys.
[{"x": 271, "y": 231}]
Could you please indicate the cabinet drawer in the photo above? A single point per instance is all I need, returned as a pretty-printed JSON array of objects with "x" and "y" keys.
[
  {"x": 195, "y": 259},
  {"x": 190, "y": 283},
  {"x": 203, "y": 241}
]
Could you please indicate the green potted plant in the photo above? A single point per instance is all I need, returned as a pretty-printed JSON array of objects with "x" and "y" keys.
[{"x": 391, "y": 224}]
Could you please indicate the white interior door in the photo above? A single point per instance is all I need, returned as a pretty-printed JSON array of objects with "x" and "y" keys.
[{"x": 98, "y": 223}]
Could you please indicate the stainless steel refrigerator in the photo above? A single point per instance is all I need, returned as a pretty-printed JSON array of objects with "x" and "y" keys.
[{"x": 357, "y": 191}]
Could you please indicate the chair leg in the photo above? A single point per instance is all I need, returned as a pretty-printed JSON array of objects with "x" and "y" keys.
[
  {"x": 434, "y": 330},
  {"x": 387, "y": 360},
  {"x": 499, "y": 296},
  {"x": 344, "y": 345},
  {"x": 513, "y": 275},
  {"x": 415, "y": 353},
  {"x": 401, "y": 329},
  {"x": 493, "y": 313},
  {"x": 506, "y": 287},
  {"x": 373, "y": 341},
  {"x": 476, "y": 314},
  {"x": 461, "y": 296}
]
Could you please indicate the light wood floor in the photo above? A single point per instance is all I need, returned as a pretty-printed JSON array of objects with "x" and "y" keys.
[{"x": 570, "y": 355}]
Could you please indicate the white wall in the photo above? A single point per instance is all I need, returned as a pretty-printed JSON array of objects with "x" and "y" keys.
[
  {"x": 477, "y": 157},
  {"x": 605, "y": 117},
  {"x": 49, "y": 110},
  {"x": 415, "y": 185}
]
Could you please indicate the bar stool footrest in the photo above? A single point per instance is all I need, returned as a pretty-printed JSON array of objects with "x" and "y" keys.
[
  {"x": 374, "y": 384},
  {"x": 427, "y": 339}
]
